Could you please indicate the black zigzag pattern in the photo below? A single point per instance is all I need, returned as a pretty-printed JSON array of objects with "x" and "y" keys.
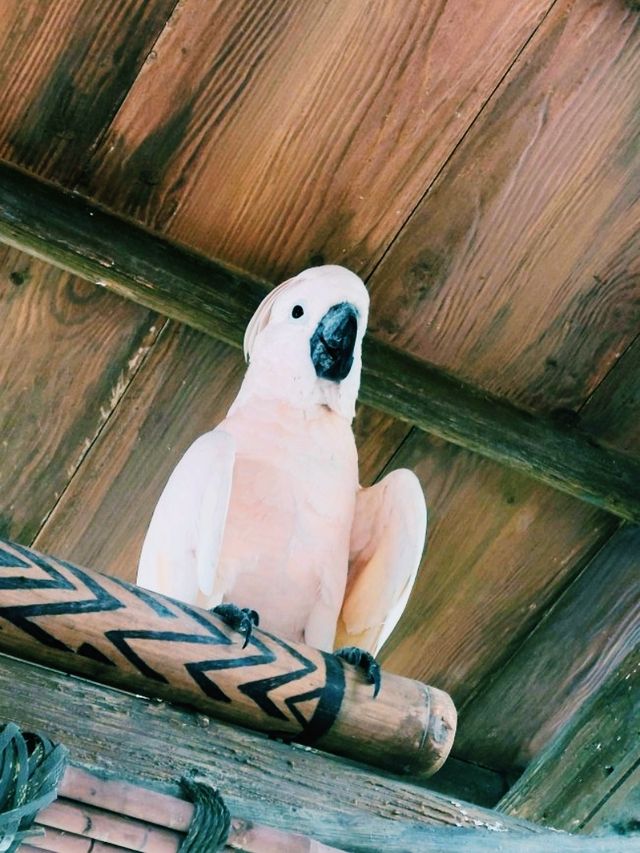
[
  {"x": 214, "y": 637},
  {"x": 329, "y": 695},
  {"x": 20, "y": 614}
]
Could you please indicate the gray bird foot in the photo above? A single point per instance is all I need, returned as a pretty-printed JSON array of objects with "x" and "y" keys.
[
  {"x": 364, "y": 661},
  {"x": 241, "y": 619}
]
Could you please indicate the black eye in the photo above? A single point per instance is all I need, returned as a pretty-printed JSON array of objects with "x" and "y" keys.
[{"x": 297, "y": 311}]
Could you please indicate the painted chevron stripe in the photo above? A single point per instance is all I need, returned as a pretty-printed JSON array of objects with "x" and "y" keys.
[{"x": 154, "y": 625}]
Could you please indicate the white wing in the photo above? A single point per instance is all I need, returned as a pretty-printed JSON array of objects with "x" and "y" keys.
[
  {"x": 387, "y": 541},
  {"x": 182, "y": 546}
]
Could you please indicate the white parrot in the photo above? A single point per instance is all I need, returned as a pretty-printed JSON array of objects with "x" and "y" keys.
[{"x": 265, "y": 511}]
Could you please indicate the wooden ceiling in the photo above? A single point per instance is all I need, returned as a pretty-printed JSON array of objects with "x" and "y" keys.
[{"x": 478, "y": 163}]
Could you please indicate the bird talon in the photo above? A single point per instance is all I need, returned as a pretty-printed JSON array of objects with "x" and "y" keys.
[
  {"x": 364, "y": 661},
  {"x": 240, "y": 619}
]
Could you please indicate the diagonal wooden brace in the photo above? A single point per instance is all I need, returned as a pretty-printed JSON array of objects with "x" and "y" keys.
[{"x": 89, "y": 624}]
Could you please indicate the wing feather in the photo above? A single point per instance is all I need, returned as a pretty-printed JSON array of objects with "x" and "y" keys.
[
  {"x": 387, "y": 542},
  {"x": 182, "y": 545}
]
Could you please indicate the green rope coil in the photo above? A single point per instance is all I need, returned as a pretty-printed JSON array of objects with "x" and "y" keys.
[
  {"x": 31, "y": 767},
  {"x": 209, "y": 828}
]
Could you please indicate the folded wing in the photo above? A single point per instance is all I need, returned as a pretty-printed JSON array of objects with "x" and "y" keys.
[
  {"x": 387, "y": 541},
  {"x": 181, "y": 549}
]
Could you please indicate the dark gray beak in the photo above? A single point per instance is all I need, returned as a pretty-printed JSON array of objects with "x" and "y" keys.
[{"x": 333, "y": 342}]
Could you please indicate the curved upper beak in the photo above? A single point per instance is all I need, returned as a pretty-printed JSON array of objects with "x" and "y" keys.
[{"x": 333, "y": 342}]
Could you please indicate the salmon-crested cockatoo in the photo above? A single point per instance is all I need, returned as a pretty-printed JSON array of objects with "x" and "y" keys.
[{"x": 264, "y": 513}]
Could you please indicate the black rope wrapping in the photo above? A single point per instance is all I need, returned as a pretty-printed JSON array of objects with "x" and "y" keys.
[
  {"x": 209, "y": 827},
  {"x": 31, "y": 767}
]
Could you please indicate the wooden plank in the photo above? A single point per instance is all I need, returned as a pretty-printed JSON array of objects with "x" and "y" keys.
[
  {"x": 499, "y": 550},
  {"x": 568, "y": 656},
  {"x": 613, "y": 411},
  {"x": 289, "y": 787},
  {"x": 519, "y": 271},
  {"x": 65, "y": 67},
  {"x": 49, "y": 417},
  {"x": 592, "y": 756},
  {"x": 293, "y": 789},
  {"x": 184, "y": 390},
  {"x": 619, "y": 814},
  {"x": 315, "y": 127},
  {"x": 75, "y": 235}
]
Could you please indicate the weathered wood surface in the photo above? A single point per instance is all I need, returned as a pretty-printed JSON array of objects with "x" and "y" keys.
[
  {"x": 500, "y": 548},
  {"x": 315, "y": 127},
  {"x": 78, "y": 620},
  {"x": 65, "y": 68},
  {"x": 378, "y": 438},
  {"x": 292, "y": 788},
  {"x": 571, "y": 779},
  {"x": 583, "y": 637},
  {"x": 613, "y": 412},
  {"x": 73, "y": 234},
  {"x": 287, "y": 786},
  {"x": 519, "y": 271},
  {"x": 68, "y": 352},
  {"x": 183, "y": 390},
  {"x": 619, "y": 814}
]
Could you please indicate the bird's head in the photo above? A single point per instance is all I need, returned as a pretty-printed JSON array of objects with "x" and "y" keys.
[{"x": 304, "y": 342}]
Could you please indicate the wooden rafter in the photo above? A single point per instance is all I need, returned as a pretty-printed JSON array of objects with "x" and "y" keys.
[{"x": 71, "y": 233}]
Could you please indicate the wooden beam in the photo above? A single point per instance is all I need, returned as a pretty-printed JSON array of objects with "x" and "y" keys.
[
  {"x": 72, "y": 233},
  {"x": 292, "y": 788},
  {"x": 591, "y": 758}
]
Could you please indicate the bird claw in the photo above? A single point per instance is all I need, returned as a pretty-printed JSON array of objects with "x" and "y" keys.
[
  {"x": 241, "y": 619},
  {"x": 364, "y": 661}
]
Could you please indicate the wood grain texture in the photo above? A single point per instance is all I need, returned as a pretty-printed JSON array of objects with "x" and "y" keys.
[
  {"x": 595, "y": 754},
  {"x": 185, "y": 389},
  {"x": 619, "y": 814},
  {"x": 568, "y": 656},
  {"x": 613, "y": 411},
  {"x": 69, "y": 351},
  {"x": 273, "y": 134},
  {"x": 499, "y": 549},
  {"x": 292, "y": 788},
  {"x": 219, "y": 300},
  {"x": 65, "y": 67},
  {"x": 519, "y": 271},
  {"x": 378, "y": 437}
]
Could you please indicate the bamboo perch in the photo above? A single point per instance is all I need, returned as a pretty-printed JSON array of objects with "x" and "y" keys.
[{"x": 89, "y": 624}]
